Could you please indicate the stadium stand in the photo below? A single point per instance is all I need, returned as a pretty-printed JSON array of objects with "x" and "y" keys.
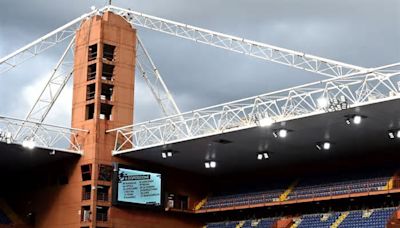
[
  {"x": 318, "y": 220},
  {"x": 223, "y": 225},
  {"x": 370, "y": 218},
  {"x": 307, "y": 188},
  {"x": 376, "y": 218},
  {"x": 341, "y": 185},
  {"x": 242, "y": 199}
]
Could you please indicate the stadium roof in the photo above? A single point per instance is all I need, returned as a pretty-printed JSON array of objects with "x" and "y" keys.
[
  {"x": 238, "y": 150},
  {"x": 15, "y": 158}
]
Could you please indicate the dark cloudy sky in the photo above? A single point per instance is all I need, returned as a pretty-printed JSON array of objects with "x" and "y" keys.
[{"x": 360, "y": 32}]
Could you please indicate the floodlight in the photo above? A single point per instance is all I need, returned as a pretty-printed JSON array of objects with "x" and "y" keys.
[
  {"x": 326, "y": 145},
  {"x": 322, "y": 102},
  {"x": 207, "y": 165},
  {"x": 282, "y": 133},
  {"x": 164, "y": 155},
  {"x": 29, "y": 143},
  {"x": 169, "y": 154},
  {"x": 323, "y": 145},
  {"x": 262, "y": 155},
  {"x": 213, "y": 164},
  {"x": 357, "y": 119},
  {"x": 398, "y": 134},
  {"x": 265, "y": 122}
]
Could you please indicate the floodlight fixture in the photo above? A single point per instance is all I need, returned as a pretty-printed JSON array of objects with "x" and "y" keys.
[
  {"x": 357, "y": 119},
  {"x": 394, "y": 134},
  {"x": 323, "y": 102},
  {"x": 323, "y": 145},
  {"x": 262, "y": 155},
  {"x": 210, "y": 164},
  {"x": 354, "y": 119},
  {"x": 266, "y": 122},
  {"x": 29, "y": 143}
]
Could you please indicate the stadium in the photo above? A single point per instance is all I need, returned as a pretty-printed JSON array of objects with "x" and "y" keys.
[{"x": 318, "y": 154}]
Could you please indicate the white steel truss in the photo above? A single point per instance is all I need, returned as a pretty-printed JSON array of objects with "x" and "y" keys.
[
  {"x": 310, "y": 99},
  {"x": 300, "y": 60},
  {"x": 43, "y": 135},
  {"x": 154, "y": 81},
  {"x": 348, "y": 85},
  {"x": 60, "y": 76},
  {"x": 40, "y": 45}
]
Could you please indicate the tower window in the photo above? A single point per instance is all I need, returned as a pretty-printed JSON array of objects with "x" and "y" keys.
[
  {"x": 92, "y": 53},
  {"x": 108, "y": 52},
  {"x": 86, "y": 192},
  {"x": 105, "y": 111},
  {"x": 86, "y": 214},
  {"x": 106, "y": 92},
  {"x": 89, "y": 111},
  {"x": 86, "y": 172},
  {"x": 102, "y": 192},
  {"x": 105, "y": 172},
  {"x": 90, "y": 91},
  {"x": 102, "y": 214},
  {"x": 91, "y": 72},
  {"x": 108, "y": 72}
]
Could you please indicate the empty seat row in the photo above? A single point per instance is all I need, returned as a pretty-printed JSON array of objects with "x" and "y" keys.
[
  {"x": 339, "y": 188},
  {"x": 377, "y": 218},
  {"x": 306, "y": 189}
]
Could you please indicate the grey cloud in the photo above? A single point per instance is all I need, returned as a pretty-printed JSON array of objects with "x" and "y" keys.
[{"x": 360, "y": 32}]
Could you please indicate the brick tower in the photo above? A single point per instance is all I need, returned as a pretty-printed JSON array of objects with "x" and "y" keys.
[
  {"x": 103, "y": 92},
  {"x": 102, "y": 99}
]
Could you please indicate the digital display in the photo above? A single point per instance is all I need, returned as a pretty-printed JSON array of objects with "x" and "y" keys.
[{"x": 138, "y": 187}]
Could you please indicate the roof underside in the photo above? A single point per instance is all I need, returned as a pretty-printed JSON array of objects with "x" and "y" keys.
[
  {"x": 367, "y": 139},
  {"x": 16, "y": 158}
]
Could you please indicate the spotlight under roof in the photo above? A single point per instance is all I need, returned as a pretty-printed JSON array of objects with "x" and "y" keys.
[
  {"x": 281, "y": 133},
  {"x": 324, "y": 145},
  {"x": 167, "y": 153},
  {"x": 354, "y": 119},
  {"x": 323, "y": 102},
  {"x": 266, "y": 122},
  {"x": 29, "y": 143},
  {"x": 394, "y": 134},
  {"x": 357, "y": 119},
  {"x": 262, "y": 156},
  {"x": 210, "y": 164}
]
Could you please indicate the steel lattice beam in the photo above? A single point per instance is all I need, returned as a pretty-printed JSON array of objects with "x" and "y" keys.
[
  {"x": 61, "y": 74},
  {"x": 42, "y": 44},
  {"x": 44, "y": 135},
  {"x": 300, "y": 60},
  {"x": 154, "y": 81},
  {"x": 339, "y": 93}
]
